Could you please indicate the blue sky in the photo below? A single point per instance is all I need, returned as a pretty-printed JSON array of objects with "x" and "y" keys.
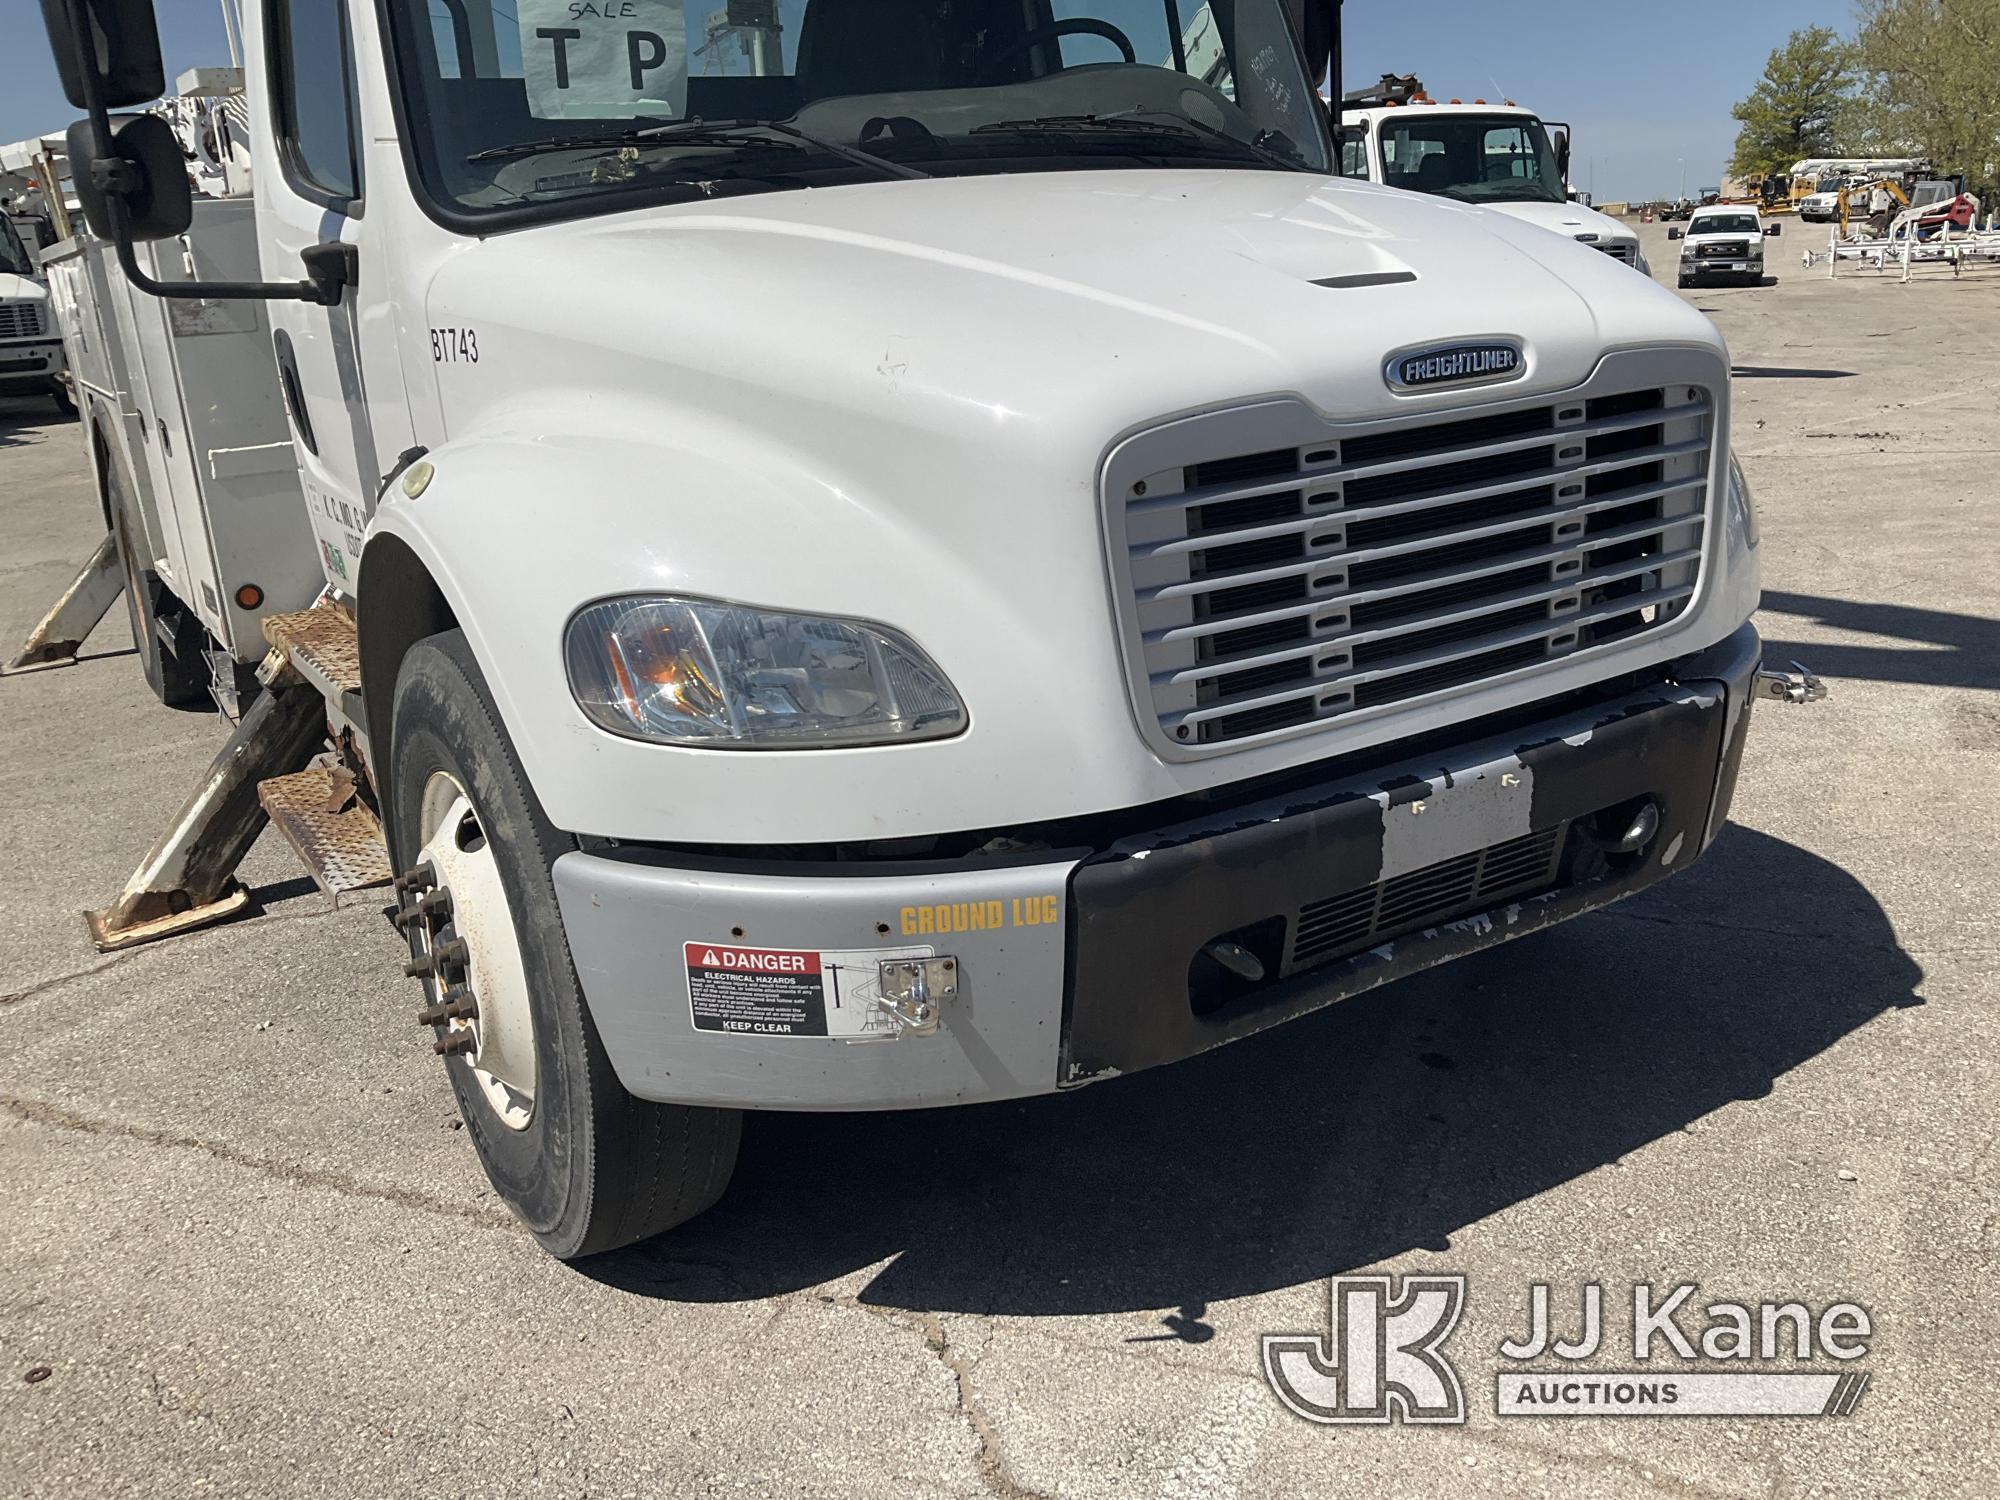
[{"x": 1643, "y": 86}]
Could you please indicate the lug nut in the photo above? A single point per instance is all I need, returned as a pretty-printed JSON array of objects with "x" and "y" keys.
[
  {"x": 437, "y": 903},
  {"x": 426, "y": 964},
  {"x": 418, "y": 877},
  {"x": 451, "y": 1042},
  {"x": 457, "y": 1004}
]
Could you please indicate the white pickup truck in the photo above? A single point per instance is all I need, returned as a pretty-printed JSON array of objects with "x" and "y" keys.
[
  {"x": 1499, "y": 157},
  {"x": 1721, "y": 241},
  {"x": 877, "y": 555}
]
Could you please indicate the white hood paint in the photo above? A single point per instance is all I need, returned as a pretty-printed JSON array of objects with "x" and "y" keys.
[
  {"x": 1569, "y": 220},
  {"x": 893, "y": 400},
  {"x": 21, "y": 288}
]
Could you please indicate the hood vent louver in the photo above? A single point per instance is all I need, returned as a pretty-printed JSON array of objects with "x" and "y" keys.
[{"x": 1365, "y": 278}]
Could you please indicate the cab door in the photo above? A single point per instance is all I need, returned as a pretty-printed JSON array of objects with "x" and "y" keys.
[{"x": 311, "y": 200}]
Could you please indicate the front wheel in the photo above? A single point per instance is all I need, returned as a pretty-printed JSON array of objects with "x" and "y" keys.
[{"x": 586, "y": 1166}]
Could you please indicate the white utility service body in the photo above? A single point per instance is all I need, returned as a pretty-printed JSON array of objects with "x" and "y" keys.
[
  {"x": 949, "y": 635},
  {"x": 1371, "y": 140}
]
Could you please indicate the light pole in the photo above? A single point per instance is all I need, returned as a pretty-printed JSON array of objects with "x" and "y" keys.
[{"x": 1684, "y": 176}]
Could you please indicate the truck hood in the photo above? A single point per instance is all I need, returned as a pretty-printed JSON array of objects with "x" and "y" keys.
[
  {"x": 1567, "y": 219},
  {"x": 1075, "y": 301},
  {"x": 895, "y": 401},
  {"x": 21, "y": 288}
]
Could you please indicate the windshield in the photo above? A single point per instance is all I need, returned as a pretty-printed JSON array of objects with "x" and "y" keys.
[
  {"x": 557, "y": 106},
  {"x": 14, "y": 255},
  {"x": 1724, "y": 224},
  {"x": 1473, "y": 158}
]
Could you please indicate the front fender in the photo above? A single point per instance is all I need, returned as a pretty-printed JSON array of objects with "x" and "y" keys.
[{"x": 518, "y": 533}]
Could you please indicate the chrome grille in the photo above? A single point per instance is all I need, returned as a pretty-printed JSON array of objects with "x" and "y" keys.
[
  {"x": 1373, "y": 566},
  {"x": 1723, "y": 250},
  {"x": 1621, "y": 250},
  {"x": 21, "y": 320}
]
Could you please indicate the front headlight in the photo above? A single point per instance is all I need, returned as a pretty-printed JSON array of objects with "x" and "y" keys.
[
  {"x": 726, "y": 676},
  {"x": 1742, "y": 506}
]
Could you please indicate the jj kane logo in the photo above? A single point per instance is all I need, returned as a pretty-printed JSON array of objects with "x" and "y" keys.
[
  {"x": 1381, "y": 1359},
  {"x": 1481, "y": 362}
]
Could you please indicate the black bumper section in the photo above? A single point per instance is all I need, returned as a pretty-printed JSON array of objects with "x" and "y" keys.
[{"x": 1321, "y": 898}]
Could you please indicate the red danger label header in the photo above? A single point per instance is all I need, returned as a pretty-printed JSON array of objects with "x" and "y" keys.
[{"x": 751, "y": 960}]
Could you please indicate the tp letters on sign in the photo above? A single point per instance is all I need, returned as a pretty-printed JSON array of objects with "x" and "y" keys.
[{"x": 604, "y": 59}]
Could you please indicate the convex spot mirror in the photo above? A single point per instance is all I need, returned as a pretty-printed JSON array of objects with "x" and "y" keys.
[
  {"x": 124, "y": 50},
  {"x": 158, "y": 201}
]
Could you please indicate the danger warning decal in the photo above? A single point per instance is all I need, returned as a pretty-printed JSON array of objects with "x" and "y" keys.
[{"x": 742, "y": 991}]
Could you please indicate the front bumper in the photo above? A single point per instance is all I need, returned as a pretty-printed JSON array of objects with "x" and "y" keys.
[
  {"x": 755, "y": 984},
  {"x": 30, "y": 366},
  {"x": 1700, "y": 268}
]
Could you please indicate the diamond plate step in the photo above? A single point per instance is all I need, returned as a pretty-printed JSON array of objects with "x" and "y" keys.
[
  {"x": 334, "y": 831},
  {"x": 321, "y": 643}
]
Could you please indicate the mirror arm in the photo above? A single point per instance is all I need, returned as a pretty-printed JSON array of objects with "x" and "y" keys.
[{"x": 118, "y": 177}]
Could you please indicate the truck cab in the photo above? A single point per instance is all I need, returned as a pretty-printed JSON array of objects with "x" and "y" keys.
[
  {"x": 880, "y": 555},
  {"x": 31, "y": 347},
  {"x": 1498, "y": 157}
]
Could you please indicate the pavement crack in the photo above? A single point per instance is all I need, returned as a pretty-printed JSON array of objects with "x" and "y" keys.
[
  {"x": 991, "y": 1460},
  {"x": 52, "y": 1116},
  {"x": 59, "y": 980}
]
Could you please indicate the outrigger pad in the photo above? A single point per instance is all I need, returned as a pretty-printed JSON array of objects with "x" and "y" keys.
[{"x": 110, "y": 934}]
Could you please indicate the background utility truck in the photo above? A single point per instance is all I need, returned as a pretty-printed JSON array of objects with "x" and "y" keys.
[
  {"x": 868, "y": 557},
  {"x": 31, "y": 346},
  {"x": 1499, "y": 157}
]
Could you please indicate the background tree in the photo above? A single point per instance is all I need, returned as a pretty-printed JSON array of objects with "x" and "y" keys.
[
  {"x": 1800, "y": 102},
  {"x": 1933, "y": 82}
]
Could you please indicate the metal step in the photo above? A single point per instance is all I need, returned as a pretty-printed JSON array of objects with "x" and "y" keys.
[
  {"x": 333, "y": 830},
  {"x": 320, "y": 642}
]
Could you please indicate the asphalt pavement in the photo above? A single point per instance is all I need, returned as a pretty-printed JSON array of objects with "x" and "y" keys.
[{"x": 252, "y": 1251}]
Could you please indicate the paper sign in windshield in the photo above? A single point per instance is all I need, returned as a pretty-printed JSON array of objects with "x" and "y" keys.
[{"x": 604, "y": 59}]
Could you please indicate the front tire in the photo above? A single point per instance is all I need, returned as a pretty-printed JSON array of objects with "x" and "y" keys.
[{"x": 585, "y": 1165}]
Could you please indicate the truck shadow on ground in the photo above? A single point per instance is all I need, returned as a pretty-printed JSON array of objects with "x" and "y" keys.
[
  {"x": 1379, "y": 1126},
  {"x": 1942, "y": 650},
  {"x": 21, "y": 416}
]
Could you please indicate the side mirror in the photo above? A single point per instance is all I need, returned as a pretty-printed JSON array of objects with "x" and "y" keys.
[
  {"x": 124, "y": 55},
  {"x": 1562, "y": 154},
  {"x": 1674, "y": 233},
  {"x": 1774, "y": 230},
  {"x": 140, "y": 163}
]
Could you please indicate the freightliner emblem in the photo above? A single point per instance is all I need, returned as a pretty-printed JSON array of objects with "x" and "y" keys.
[{"x": 1476, "y": 362}]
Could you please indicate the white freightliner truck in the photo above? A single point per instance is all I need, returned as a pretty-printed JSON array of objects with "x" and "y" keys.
[
  {"x": 878, "y": 555},
  {"x": 1500, "y": 157},
  {"x": 31, "y": 347}
]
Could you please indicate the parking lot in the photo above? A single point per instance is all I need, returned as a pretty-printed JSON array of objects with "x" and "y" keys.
[{"x": 247, "y": 1240}]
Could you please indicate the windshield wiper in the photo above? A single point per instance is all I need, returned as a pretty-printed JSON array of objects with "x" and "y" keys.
[
  {"x": 725, "y": 132},
  {"x": 556, "y": 143},
  {"x": 1131, "y": 123},
  {"x": 722, "y": 133}
]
